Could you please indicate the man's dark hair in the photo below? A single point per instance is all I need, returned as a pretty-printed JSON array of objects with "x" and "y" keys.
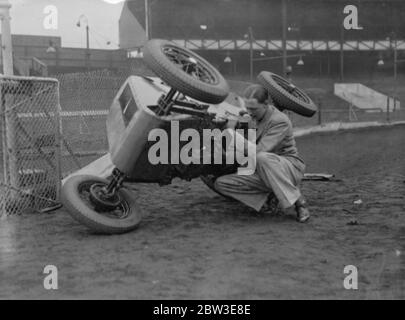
[
  {"x": 258, "y": 92},
  {"x": 261, "y": 94}
]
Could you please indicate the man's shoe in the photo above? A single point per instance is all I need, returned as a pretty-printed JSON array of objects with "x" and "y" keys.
[
  {"x": 271, "y": 205},
  {"x": 301, "y": 208}
]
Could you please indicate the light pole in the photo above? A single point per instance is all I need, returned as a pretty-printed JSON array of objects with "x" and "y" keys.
[
  {"x": 6, "y": 49},
  {"x": 87, "y": 38},
  {"x": 147, "y": 17},
  {"x": 284, "y": 31},
  {"x": 342, "y": 57},
  {"x": 251, "y": 39},
  {"x": 52, "y": 49},
  {"x": 396, "y": 61},
  {"x": 394, "y": 38}
]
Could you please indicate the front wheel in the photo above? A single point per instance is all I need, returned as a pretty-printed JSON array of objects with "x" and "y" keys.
[{"x": 81, "y": 197}]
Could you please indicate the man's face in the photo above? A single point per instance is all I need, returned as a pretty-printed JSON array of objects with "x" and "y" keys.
[{"x": 255, "y": 109}]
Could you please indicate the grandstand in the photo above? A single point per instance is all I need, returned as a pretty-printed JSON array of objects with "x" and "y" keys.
[{"x": 219, "y": 28}]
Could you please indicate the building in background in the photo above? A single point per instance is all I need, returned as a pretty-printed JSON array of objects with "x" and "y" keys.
[
  {"x": 132, "y": 26},
  {"x": 40, "y": 55},
  {"x": 314, "y": 37}
]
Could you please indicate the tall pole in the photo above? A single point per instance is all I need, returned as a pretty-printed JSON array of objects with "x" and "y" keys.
[
  {"x": 7, "y": 58},
  {"x": 10, "y": 161},
  {"x": 342, "y": 57},
  {"x": 6, "y": 45},
  {"x": 57, "y": 57},
  {"x": 87, "y": 39},
  {"x": 284, "y": 42},
  {"x": 395, "y": 57},
  {"x": 88, "y": 46},
  {"x": 250, "y": 34},
  {"x": 395, "y": 70},
  {"x": 147, "y": 19}
]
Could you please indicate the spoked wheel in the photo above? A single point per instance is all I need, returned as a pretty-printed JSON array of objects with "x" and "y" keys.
[
  {"x": 286, "y": 95},
  {"x": 86, "y": 200},
  {"x": 186, "y": 71}
]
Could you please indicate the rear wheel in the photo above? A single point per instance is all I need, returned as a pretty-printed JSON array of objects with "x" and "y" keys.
[
  {"x": 286, "y": 95},
  {"x": 84, "y": 198},
  {"x": 186, "y": 71}
]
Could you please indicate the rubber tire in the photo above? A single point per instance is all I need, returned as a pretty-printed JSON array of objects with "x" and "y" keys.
[
  {"x": 285, "y": 99},
  {"x": 90, "y": 218},
  {"x": 176, "y": 78}
]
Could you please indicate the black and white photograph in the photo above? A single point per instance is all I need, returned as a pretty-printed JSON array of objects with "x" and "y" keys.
[{"x": 202, "y": 155}]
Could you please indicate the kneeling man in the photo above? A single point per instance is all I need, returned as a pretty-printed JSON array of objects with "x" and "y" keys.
[{"x": 279, "y": 169}]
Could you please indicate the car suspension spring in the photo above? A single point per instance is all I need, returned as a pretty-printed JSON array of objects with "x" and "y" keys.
[
  {"x": 166, "y": 102},
  {"x": 117, "y": 180}
]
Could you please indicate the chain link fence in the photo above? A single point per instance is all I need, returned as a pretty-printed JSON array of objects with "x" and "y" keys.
[
  {"x": 85, "y": 100},
  {"x": 53, "y": 127},
  {"x": 87, "y": 97},
  {"x": 49, "y": 129},
  {"x": 30, "y": 172}
]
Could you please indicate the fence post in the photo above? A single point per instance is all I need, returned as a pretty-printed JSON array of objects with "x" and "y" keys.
[
  {"x": 3, "y": 133},
  {"x": 388, "y": 109},
  {"x": 11, "y": 137},
  {"x": 319, "y": 111},
  {"x": 11, "y": 165},
  {"x": 7, "y": 47},
  {"x": 58, "y": 144},
  {"x": 3, "y": 160}
]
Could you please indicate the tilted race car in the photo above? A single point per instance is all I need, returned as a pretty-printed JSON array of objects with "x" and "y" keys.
[{"x": 188, "y": 90}]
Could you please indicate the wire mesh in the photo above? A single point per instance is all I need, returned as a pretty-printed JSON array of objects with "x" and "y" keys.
[
  {"x": 85, "y": 101},
  {"x": 86, "y": 98},
  {"x": 30, "y": 153}
]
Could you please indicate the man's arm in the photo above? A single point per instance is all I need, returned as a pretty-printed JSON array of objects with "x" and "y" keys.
[{"x": 273, "y": 137}]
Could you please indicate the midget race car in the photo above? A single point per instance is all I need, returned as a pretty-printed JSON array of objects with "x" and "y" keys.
[{"x": 187, "y": 90}]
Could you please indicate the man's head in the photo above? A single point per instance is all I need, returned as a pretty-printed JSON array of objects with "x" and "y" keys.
[{"x": 256, "y": 100}]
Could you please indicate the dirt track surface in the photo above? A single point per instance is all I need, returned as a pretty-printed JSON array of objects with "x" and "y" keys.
[{"x": 193, "y": 244}]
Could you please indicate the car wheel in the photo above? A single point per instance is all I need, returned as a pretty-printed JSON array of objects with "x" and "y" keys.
[
  {"x": 286, "y": 95},
  {"x": 186, "y": 71},
  {"x": 123, "y": 216}
]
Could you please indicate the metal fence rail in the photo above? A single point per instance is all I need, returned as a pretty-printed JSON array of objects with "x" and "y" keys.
[
  {"x": 30, "y": 170},
  {"x": 348, "y": 114}
]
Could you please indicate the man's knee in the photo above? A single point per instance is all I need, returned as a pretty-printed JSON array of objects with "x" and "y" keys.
[
  {"x": 229, "y": 181},
  {"x": 266, "y": 158},
  {"x": 221, "y": 182}
]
